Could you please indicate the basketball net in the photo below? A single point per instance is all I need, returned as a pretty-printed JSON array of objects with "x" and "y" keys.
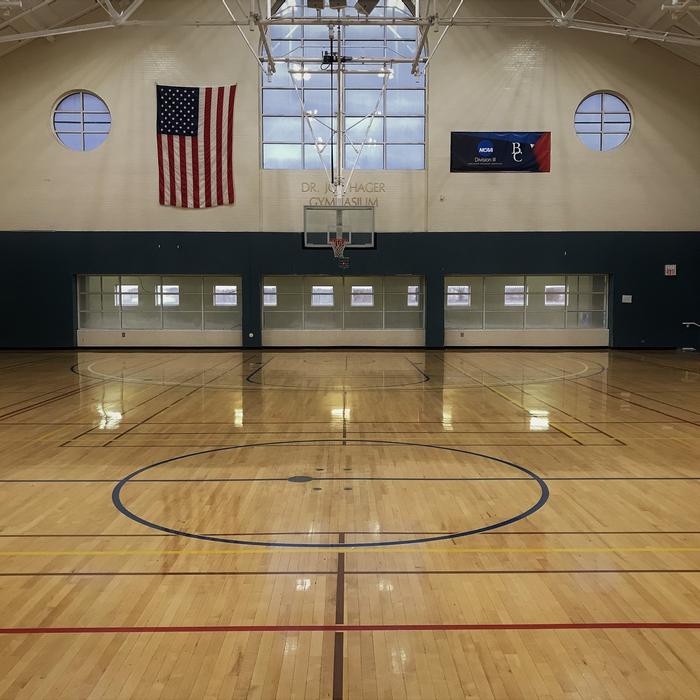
[{"x": 338, "y": 245}]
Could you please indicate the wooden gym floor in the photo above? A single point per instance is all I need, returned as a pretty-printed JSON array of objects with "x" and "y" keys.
[{"x": 323, "y": 524}]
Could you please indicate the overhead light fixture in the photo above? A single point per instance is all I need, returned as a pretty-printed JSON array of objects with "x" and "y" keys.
[
  {"x": 315, "y": 4},
  {"x": 366, "y": 7},
  {"x": 337, "y": 4}
]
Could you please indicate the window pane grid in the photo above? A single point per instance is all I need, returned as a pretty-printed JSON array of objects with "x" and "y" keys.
[
  {"x": 334, "y": 303},
  {"x": 156, "y": 302},
  {"x": 603, "y": 121},
  {"x": 390, "y": 146},
  {"x": 526, "y": 302},
  {"x": 81, "y": 121}
]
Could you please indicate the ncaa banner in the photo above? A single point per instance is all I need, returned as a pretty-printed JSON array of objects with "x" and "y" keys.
[{"x": 493, "y": 151}]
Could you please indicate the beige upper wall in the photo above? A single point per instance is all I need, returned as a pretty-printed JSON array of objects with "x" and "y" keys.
[{"x": 480, "y": 80}]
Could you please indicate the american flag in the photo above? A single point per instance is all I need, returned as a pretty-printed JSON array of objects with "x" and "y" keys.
[{"x": 195, "y": 146}]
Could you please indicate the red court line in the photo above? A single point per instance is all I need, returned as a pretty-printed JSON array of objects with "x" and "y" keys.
[{"x": 360, "y": 628}]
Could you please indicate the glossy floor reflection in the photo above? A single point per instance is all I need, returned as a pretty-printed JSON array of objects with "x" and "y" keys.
[{"x": 367, "y": 524}]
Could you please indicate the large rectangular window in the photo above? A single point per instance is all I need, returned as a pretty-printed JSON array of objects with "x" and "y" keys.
[
  {"x": 516, "y": 302},
  {"x": 155, "y": 302},
  {"x": 393, "y": 302},
  {"x": 299, "y": 103}
]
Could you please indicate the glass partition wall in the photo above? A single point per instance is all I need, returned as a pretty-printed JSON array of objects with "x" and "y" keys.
[
  {"x": 526, "y": 302},
  {"x": 159, "y": 302},
  {"x": 325, "y": 303}
]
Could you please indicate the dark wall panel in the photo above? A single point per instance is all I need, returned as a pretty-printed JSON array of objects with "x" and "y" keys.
[{"x": 39, "y": 268}]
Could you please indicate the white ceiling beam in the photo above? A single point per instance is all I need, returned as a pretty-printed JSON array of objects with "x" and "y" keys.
[
  {"x": 26, "y": 13},
  {"x": 57, "y": 31},
  {"x": 553, "y": 11},
  {"x": 576, "y": 7},
  {"x": 32, "y": 21},
  {"x": 109, "y": 9},
  {"x": 131, "y": 9}
]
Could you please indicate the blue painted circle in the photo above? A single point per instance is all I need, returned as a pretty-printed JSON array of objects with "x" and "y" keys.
[
  {"x": 119, "y": 504},
  {"x": 485, "y": 148}
]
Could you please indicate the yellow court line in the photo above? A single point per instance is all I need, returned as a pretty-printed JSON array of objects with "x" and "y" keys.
[{"x": 355, "y": 550}]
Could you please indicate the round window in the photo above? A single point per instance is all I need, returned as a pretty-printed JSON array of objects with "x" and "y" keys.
[
  {"x": 81, "y": 121},
  {"x": 603, "y": 121}
]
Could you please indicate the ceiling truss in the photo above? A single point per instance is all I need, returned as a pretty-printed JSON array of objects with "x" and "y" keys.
[{"x": 675, "y": 23}]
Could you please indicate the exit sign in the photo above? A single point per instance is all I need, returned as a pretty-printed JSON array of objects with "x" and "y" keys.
[{"x": 670, "y": 270}]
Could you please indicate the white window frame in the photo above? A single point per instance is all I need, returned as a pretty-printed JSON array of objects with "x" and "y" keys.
[
  {"x": 555, "y": 295},
  {"x": 165, "y": 296},
  {"x": 82, "y": 117},
  {"x": 459, "y": 295},
  {"x": 126, "y": 295},
  {"x": 308, "y": 136},
  {"x": 322, "y": 295},
  {"x": 270, "y": 295},
  {"x": 225, "y": 295},
  {"x": 413, "y": 295},
  {"x": 362, "y": 295},
  {"x": 514, "y": 295}
]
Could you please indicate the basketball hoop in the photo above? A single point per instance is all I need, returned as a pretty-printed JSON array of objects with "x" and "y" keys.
[{"x": 338, "y": 245}]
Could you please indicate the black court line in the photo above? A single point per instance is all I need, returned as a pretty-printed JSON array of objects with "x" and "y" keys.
[
  {"x": 380, "y": 572},
  {"x": 647, "y": 398},
  {"x": 236, "y": 433},
  {"x": 122, "y": 508},
  {"x": 506, "y": 382},
  {"x": 225, "y": 446},
  {"x": 349, "y": 478},
  {"x": 426, "y": 378},
  {"x": 46, "y": 402},
  {"x": 651, "y": 361},
  {"x": 173, "y": 403},
  {"x": 639, "y": 405},
  {"x": 519, "y": 406},
  {"x": 305, "y": 533},
  {"x": 394, "y": 422},
  {"x": 31, "y": 362},
  {"x": 521, "y": 387}
]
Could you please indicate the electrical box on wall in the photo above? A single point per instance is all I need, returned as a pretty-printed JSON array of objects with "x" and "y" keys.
[{"x": 670, "y": 270}]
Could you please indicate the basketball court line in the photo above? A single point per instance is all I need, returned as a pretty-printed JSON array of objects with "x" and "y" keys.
[
  {"x": 350, "y": 478},
  {"x": 502, "y": 533},
  {"x": 41, "y": 404},
  {"x": 523, "y": 408},
  {"x": 173, "y": 403},
  {"x": 270, "y": 548},
  {"x": 651, "y": 361},
  {"x": 257, "y": 385},
  {"x": 466, "y": 627},
  {"x": 648, "y": 398},
  {"x": 380, "y": 572}
]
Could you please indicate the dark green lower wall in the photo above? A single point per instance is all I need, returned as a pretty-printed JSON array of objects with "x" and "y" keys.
[{"x": 37, "y": 286}]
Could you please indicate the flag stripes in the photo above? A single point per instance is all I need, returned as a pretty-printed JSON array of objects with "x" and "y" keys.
[{"x": 195, "y": 157}]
